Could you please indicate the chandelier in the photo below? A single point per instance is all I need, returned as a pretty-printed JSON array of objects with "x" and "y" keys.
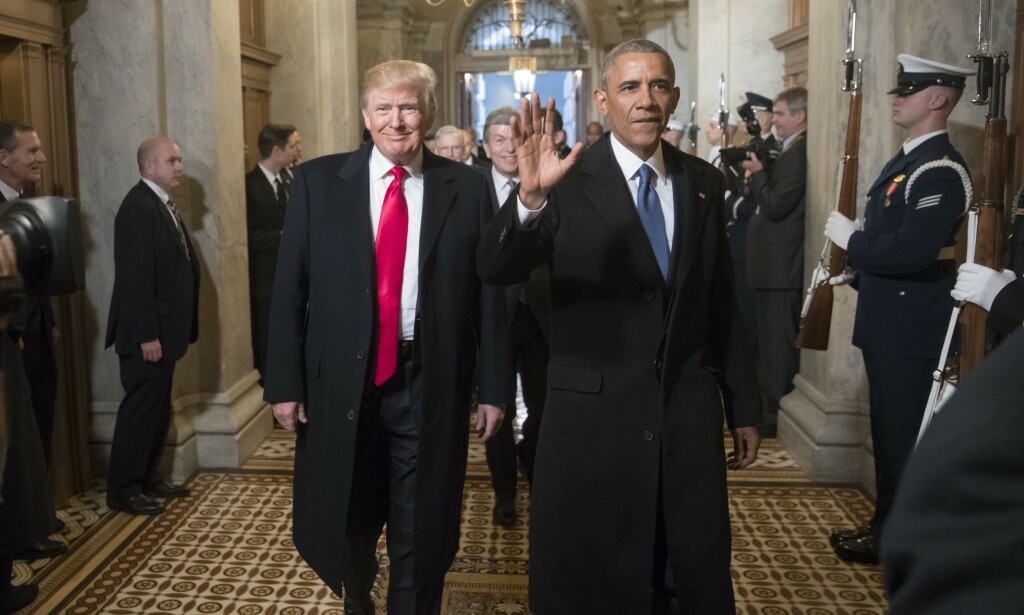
[{"x": 516, "y": 16}]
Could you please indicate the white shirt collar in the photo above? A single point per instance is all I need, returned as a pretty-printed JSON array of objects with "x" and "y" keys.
[
  {"x": 500, "y": 180},
  {"x": 910, "y": 144},
  {"x": 381, "y": 166},
  {"x": 630, "y": 163},
  {"x": 270, "y": 176},
  {"x": 160, "y": 192},
  {"x": 9, "y": 193}
]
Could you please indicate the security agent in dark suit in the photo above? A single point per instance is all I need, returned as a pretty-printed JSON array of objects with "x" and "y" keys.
[
  {"x": 266, "y": 198},
  {"x": 529, "y": 311},
  {"x": 377, "y": 322},
  {"x": 154, "y": 316},
  {"x": 954, "y": 538},
  {"x": 645, "y": 346},
  {"x": 32, "y": 327},
  {"x": 26, "y": 501},
  {"x": 905, "y": 269},
  {"x": 775, "y": 250}
]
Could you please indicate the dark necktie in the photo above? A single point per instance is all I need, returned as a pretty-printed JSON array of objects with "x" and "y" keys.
[
  {"x": 282, "y": 192},
  {"x": 178, "y": 224},
  {"x": 653, "y": 219},
  {"x": 392, "y": 232}
]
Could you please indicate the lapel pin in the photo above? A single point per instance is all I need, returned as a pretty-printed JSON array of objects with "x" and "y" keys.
[{"x": 700, "y": 194}]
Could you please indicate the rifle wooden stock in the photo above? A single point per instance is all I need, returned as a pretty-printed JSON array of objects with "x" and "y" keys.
[
  {"x": 816, "y": 325},
  {"x": 988, "y": 243}
]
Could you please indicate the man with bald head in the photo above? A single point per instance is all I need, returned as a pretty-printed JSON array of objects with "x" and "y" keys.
[{"x": 153, "y": 318}]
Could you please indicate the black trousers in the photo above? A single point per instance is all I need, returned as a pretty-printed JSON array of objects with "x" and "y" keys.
[
  {"x": 531, "y": 352},
  {"x": 384, "y": 491},
  {"x": 143, "y": 420},
  {"x": 40, "y": 366},
  {"x": 778, "y": 318},
  {"x": 898, "y": 393}
]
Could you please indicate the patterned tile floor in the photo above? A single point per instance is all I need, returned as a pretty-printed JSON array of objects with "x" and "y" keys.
[{"x": 227, "y": 549}]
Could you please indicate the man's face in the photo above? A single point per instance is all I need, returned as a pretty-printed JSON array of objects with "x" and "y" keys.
[
  {"x": 786, "y": 124},
  {"x": 165, "y": 168},
  {"x": 451, "y": 146},
  {"x": 294, "y": 147},
  {"x": 764, "y": 118},
  {"x": 713, "y": 133},
  {"x": 502, "y": 150},
  {"x": 594, "y": 132},
  {"x": 910, "y": 109},
  {"x": 469, "y": 136},
  {"x": 397, "y": 121},
  {"x": 639, "y": 100},
  {"x": 23, "y": 165}
]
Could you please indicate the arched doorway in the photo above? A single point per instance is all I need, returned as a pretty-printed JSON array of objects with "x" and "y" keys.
[{"x": 561, "y": 44}]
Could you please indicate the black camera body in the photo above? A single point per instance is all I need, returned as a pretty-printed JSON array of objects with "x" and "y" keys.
[
  {"x": 47, "y": 236},
  {"x": 734, "y": 156}
]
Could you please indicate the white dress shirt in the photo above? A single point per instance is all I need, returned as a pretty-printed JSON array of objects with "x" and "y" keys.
[
  {"x": 501, "y": 185},
  {"x": 10, "y": 194},
  {"x": 412, "y": 187},
  {"x": 910, "y": 144},
  {"x": 273, "y": 179}
]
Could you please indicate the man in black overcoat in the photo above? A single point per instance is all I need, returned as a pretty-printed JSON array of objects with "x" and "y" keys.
[
  {"x": 646, "y": 345},
  {"x": 905, "y": 269},
  {"x": 266, "y": 198},
  {"x": 377, "y": 321},
  {"x": 154, "y": 316}
]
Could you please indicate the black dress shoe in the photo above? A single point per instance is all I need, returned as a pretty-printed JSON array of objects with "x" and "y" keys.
[
  {"x": 137, "y": 504},
  {"x": 60, "y": 525},
  {"x": 164, "y": 489},
  {"x": 504, "y": 513},
  {"x": 16, "y": 597},
  {"x": 863, "y": 550},
  {"x": 838, "y": 536},
  {"x": 359, "y": 606},
  {"x": 41, "y": 550}
]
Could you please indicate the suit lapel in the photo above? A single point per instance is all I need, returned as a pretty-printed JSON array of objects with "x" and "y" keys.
[
  {"x": 352, "y": 194},
  {"x": 691, "y": 206},
  {"x": 169, "y": 224},
  {"x": 608, "y": 191},
  {"x": 438, "y": 197}
]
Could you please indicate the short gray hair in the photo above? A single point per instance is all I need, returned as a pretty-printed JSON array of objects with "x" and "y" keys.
[
  {"x": 501, "y": 116},
  {"x": 637, "y": 45},
  {"x": 450, "y": 130},
  {"x": 795, "y": 99}
]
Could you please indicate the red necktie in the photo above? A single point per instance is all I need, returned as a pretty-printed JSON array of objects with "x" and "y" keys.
[{"x": 392, "y": 231}]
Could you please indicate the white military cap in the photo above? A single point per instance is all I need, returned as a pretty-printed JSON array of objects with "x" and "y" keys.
[{"x": 915, "y": 74}]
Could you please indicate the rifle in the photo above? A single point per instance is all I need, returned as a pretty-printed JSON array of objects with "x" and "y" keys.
[
  {"x": 691, "y": 130},
  {"x": 992, "y": 70},
  {"x": 816, "y": 315},
  {"x": 723, "y": 111},
  {"x": 985, "y": 224}
]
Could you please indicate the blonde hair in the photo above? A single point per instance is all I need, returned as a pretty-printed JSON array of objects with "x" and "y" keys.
[{"x": 403, "y": 74}]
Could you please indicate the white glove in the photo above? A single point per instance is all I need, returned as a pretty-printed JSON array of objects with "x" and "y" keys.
[
  {"x": 980, "y": 285},
  {"x": 844, "y": 278},
  {"x": 838, "y": 228}
]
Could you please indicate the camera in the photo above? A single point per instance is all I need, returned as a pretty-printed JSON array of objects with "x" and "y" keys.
[
  {"x": 47, "y": 237},
  {"x": 734, "y": 156}
]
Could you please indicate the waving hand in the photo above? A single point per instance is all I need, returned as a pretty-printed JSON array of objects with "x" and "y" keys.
[{"x": 540, "y": 168}]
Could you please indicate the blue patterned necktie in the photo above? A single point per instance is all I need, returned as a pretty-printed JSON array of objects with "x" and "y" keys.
[{"x": 649, "y": 206}]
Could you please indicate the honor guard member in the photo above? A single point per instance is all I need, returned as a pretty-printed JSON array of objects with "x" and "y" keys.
[
  {"x": 1000, "y": 293},
  {"x": 762, "y": 107},
  {"x": 903, "y": 258}
]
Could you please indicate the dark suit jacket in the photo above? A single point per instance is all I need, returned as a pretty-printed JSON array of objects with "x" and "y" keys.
[
  {"x": 537, "y": 289},
  {"x": 156, "y": 286},
  {"x": 636, "y": 379},
  {"x": 775, "y": 235},
  {"x": 322, "y": 347},
  {"x": 953, "y": 541},
  {"x": 903, "y": 302},
  {"x": 264, "y": 218}
]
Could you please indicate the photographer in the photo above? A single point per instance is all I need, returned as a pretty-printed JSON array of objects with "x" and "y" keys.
[
  {"x": 775, "y": 240},
  {"x": 26, "y": 508}
]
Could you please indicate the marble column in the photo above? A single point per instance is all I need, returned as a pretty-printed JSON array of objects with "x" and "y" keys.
[
  {"x": 316, "y": 84},
  {"x": 171, "y": 67},
  {"x": 824, "y": 422},
  {"x": 728, "y": 37},
  {"x": 667, "y": 23},
  {"x": 384, "y": 28}
]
